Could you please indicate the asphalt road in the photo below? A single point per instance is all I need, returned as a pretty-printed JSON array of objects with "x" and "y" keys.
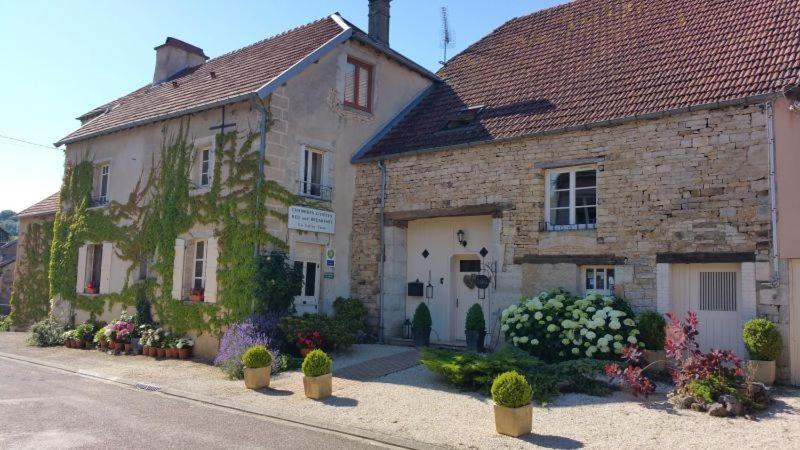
[{"x": 48, "y": 408}]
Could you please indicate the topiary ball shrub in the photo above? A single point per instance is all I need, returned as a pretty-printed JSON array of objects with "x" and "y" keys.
[
  {"x": 257, "y": 357},
  {"x": 46, "y": 333},
  {"x": 475, "y": 320},
  {"x": 762, "y": 339},
  {"x": 316, "y": 363},
  {"x": 511, "y": 390},
  {"x": 653, "y": 328},
  {"x": 422, "y": 317}
]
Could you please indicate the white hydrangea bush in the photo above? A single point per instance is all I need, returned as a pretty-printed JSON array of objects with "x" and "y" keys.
[{"x": 557, "y": 326}]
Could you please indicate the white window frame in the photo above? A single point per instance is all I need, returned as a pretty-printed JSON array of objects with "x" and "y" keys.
[
  {"x": 207, "y": 159},
  {"x": 204, "y": 260},
  {"x": 305, "y": 177},
  {"x": 572, "y": 224},
  {"x": 100, "y": 198},
  {"x": 608, "y": 286},
  {"x": 91, "y": 254}
]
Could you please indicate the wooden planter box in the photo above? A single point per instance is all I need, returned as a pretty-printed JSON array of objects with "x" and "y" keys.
[{"x": 318, "y": 387}]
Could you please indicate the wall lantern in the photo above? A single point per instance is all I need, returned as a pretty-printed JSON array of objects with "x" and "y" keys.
[
  {"x": 407, "y": 329},
  {"x": 461, "y": 240},
  {"x": 429, "y": 290}
]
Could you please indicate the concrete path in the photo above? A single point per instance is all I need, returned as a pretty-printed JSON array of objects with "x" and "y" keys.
[{"x": 45, "y": 408}]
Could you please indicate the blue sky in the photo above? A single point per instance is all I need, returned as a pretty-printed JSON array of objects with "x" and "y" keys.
[{"x": 61, "y": 58}]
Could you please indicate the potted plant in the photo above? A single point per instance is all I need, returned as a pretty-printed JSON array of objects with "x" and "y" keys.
[
  {"x": 100, "y": 338},
  {"x": 257, "y": 362},
  {"x": 184, "y": 346},
  {"x": 197, "y": 295},
  {"x": 653, "y": 329},
  {"x": 91, "y": 288},
  {"x": 67, "y": 337},
  {"x": 421, "y": 326},
  {"x": 513, "y": 413},
  {"x": 172, "y": 349},
  {"x": 475, "y": 328},
  {"x": 764, "y": 344},
  {"x": 318, "y": 381},
  {"x": 161, "y": 349},
  {"x": 308, "y": 340}
]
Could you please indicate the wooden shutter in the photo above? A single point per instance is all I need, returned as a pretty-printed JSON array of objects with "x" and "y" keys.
[
  {"x": 363, "y": 87},
  {"x": 177, "y": 269},
  {"x": 212, "y": 253},
  {"x": 80, "y": 283},
  {"x": 105, "y": 268},
  {"x": 350, "y": 83}
]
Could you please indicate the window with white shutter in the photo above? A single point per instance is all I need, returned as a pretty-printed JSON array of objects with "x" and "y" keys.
[{"x": 358, "y": 84}]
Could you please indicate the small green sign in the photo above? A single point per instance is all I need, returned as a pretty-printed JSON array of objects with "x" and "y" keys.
[{"x": 328, "y": 275}]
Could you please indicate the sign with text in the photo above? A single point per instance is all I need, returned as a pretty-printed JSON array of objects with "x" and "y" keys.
[{"x": 310, "y": 219}]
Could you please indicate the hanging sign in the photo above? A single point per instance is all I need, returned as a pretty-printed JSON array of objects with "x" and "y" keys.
[{"x": 310, "y": 219}]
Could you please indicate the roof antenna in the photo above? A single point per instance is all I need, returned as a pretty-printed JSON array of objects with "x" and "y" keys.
[{"x": 447, "y": 36}]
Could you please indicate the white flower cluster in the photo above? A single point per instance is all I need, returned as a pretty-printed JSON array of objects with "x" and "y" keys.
[{"x": 556, "y": 325}]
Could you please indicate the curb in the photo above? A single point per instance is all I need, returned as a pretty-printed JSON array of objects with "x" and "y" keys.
[{"x": 357, "y": 432}]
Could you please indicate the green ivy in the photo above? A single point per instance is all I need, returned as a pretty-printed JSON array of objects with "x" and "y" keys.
[{"x": 30, "y": 301}]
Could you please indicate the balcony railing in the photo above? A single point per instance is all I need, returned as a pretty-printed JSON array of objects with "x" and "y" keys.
[
  {"x": 101, "y": 200},
  {"x": 547, "y": 226},
  {"x": 315, "y": 190}
]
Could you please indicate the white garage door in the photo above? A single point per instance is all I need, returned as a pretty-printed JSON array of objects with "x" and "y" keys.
[{"x": 714, "y": 291}]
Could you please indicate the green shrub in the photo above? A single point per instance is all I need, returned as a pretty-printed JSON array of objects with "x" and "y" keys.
[
  {"x": 257, "y": 357},
  {"x": 558, "y": 326},
  {"x": 100, "y": 335},
  {"x": 277, "y": 282},
  {"x": 316, "y": 363},
  {"x": 335, "y": 332},
  {"x": 352, "y": 313},
  {"x": 84, "y": 331},
  {"x": 422, "y": 317},
  {"x": 511, "y": 390},
  {"x": 46, "y": 333},
  {"x": 475, "y": 320},
  {"x": 654, "y": 330},
  {"x": 709, "y": 389},
  {"x": 762, "y": 339},
  {"x": 5, "y": 323}
]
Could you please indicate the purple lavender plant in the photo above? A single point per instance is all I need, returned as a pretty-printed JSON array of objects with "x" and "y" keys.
[{"x": 238, "y": 338}]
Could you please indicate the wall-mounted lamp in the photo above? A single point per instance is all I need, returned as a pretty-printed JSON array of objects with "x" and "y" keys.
[
  {"x": 460, "y": 235},
  {"x": 429, "y": 291}
]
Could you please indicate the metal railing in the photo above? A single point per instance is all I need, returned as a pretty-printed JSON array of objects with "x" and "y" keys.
[
  {"x": 315, "y": 190},
  {"x": 101, "y": 200},
  {"x": 547, "y": 226}
]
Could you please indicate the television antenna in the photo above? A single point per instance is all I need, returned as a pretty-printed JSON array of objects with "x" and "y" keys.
[{"x": 447, "y": 36}]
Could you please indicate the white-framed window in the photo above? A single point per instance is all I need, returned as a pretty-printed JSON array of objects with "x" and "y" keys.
[
  {"x": 94, "y": 268},
  {"x": 205, "y": 167},
  {"x": 199, "y": 265},
  {"x": 358, "y": 84},
  {"x": 598, "y": 279},
  {"x": 102, "y": 184},
  {"x": 571, "y": 199},
  {"x": 312, "y": 174}
]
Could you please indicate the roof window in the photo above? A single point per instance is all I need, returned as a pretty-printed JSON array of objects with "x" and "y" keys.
[{"x": 465, "y": 117}]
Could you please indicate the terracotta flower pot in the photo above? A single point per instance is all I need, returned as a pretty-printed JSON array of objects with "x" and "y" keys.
[
  {"x": 256, "y": 378},
  {"x": 513, "y": 421},
  {"x": 153, "y": 352},
  {"x": 103, "y": 345},
  {"x": 173, "y": 353},
  {"x": 161, "y": 352},
  {"x": 79, "y": 343},
  {"x": 183, "y": 353},
  {"x": 119, "y": 346},
  {"x": 318, "y": 387},
  {"x": 67, "y": 342},
  {"x": 128, "y": 347}
]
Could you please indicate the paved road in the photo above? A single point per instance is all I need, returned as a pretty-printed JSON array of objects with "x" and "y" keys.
[{"x": 48, "y": 408}]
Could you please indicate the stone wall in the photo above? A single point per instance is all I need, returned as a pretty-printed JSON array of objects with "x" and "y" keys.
[{"x": 694, "y": 182}]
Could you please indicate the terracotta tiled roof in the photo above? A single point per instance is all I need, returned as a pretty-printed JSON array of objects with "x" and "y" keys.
[
  {"x": 237, "y": 73},
  {"x": 44, "y": 207},
  {"x": 591, "y": 61}
]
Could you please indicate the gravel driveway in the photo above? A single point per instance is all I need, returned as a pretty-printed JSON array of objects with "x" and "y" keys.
[{"x": 415, "y": 404}]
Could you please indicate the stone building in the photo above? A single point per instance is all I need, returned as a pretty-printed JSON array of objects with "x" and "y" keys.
[{"x": 645, "y": 149}]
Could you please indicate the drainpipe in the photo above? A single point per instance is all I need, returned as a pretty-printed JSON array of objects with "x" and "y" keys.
[
  {"x": 262, "y": 156},
  {"x": 381, "y": 204},
  {"x": 773, "y": 199}
]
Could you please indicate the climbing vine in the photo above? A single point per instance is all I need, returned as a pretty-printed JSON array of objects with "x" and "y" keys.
[
  {"x": 29, "y": 299},
  {"x": 158, "y": 211}
]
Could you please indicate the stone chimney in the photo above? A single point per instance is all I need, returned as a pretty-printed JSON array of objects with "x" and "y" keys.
[
  {"x": 173, "y": 56},
  {"x": 379, "y": 20}
]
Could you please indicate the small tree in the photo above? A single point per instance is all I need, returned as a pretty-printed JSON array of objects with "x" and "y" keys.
[
  {"x": 422, "y": 317},
  {"x": 277, "y": 282},
  {"x": 475, "y": 320}
]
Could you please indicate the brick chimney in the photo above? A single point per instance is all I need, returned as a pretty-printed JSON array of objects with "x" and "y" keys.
[
  {"x": 379, "y": 20},
  {"x": 173, "y": 56}
]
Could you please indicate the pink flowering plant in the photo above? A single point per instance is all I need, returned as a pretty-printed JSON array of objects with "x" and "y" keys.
[{"x": 121, "y": 330}]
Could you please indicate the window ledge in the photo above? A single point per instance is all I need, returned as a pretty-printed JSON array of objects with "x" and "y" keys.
[
  {"x": 356, "y": 111},
  {"x": 100, "y": 206},
  {"x": 199, "y": 191},
  {"x": 545, "y": 228},
  {"x": 90, "y": 295}
]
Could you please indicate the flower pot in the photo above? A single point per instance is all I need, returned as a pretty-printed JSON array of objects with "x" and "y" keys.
[
  {"x": 256, "y": 378},
  {"x": 128, "y": 347},
  {"x": 161, "y": 352},
  {"x": 183, "y": 353},
  {"x": 475, "y": 340},
  {"x": 119, "y": 347},
  {"x": 79, "y": 343},
  {"x": 318, "y": 387},
  {"x": 103, "y": 345},
  {"x": 762, "y": 371},
  {"x": 513, "y": 422},
  {"x": 67, "y": 343},
  {"x": 195, "y": 298},
  {"x": 153, "y": 352},
  {"x": 659, "y": 357},
  {"x": 88, "y": 345},
  {"x": 422, "y": 336},
  {"x": 172, "y": 353},
  {"x": 305, "y": 351}
]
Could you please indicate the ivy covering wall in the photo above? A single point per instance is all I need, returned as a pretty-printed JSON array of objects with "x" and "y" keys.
[
  {"x": 157, "y": 212},
  {"x": 29, "y": 297}
]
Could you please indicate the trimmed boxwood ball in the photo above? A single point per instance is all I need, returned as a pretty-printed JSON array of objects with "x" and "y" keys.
[
  {"x": 256, "y": 357},
  {"x": 422, "y": 317},
  {"x": 475, "y": 320},
  {"x": 652, "y": 325},
  {"x": 316, "y": 363},
  {"x": 762, "y": 339},
  {"x": 510, "y": 389}
]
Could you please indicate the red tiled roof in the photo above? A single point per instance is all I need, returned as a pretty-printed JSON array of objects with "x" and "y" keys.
[
  {"x": 237, "y": 73},
  {"x": 44, "y": 207},
  {"x": 590, "y": 61}
]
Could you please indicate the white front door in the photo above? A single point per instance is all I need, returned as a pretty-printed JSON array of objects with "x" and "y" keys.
[
  {"x": 307, "y": 258},
  {"x": 465, "y": 297},
  {"x": 714, "y": 291}
]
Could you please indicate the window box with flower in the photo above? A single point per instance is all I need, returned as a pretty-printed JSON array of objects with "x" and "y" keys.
[
  {"x": 91, "y": 289},
  {"x": 197, "y": 295}
]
